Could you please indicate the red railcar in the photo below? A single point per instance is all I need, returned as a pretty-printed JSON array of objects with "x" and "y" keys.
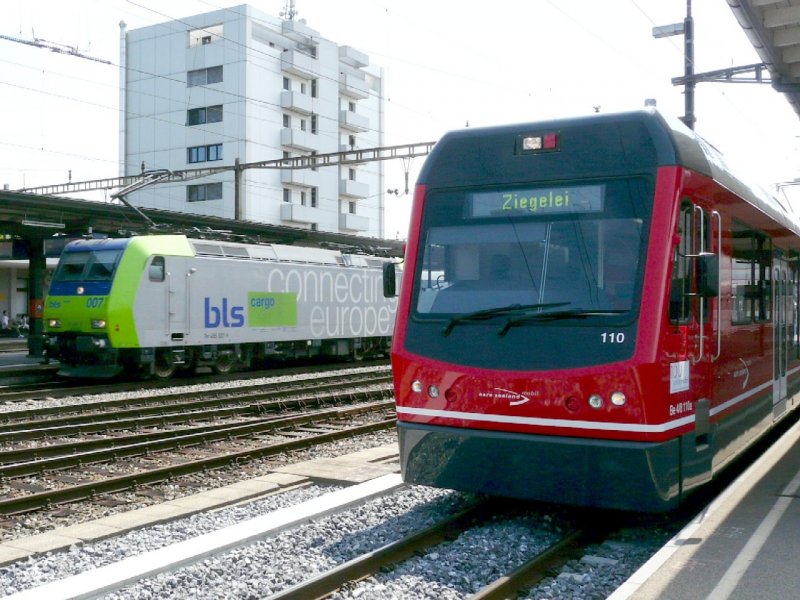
[{"x": 594, "y": 311}]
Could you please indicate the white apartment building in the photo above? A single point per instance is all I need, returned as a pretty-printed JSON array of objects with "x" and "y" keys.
[{"x": 239, "y": 85}]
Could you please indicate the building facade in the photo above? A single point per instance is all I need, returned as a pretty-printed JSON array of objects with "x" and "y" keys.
[{"x": 237, "y": 85}]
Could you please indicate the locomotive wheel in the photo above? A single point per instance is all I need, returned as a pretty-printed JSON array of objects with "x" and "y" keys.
[{"x": 163, "y": 367}]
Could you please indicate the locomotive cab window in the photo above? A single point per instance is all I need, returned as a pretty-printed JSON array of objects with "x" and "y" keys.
[
  {"x": 572, "y": 247},
  {"x": 95, "y": 265},
  {"x": 680, "y": 295},
  {"x": 157, "y": 270}
]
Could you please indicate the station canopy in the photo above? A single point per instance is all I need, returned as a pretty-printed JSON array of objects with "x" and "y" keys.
[{"x": 773, "y": 27}]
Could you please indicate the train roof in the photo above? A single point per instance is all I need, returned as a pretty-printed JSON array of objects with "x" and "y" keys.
[
  {"x": 611, "y": 144},
  {"x": 180, "y": 245}
]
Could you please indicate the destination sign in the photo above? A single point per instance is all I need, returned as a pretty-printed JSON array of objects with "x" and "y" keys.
[{"x": 536, "y": 201}]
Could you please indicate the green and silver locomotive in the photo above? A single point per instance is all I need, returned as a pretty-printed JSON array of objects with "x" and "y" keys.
[{"x": 157, "y": 304}]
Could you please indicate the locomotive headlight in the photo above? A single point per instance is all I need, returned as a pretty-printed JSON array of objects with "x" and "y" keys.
[
  {"x": 54, "y": 323},
  {"x": 98, "y": 323},
  {"x": 433, "y": 391},
  {"x": 596, "y": 401},
  {"x": 416, "y": 386},
  {"x": 618, "y": 399}
]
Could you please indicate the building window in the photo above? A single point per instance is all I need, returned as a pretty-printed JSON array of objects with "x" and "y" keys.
[
  {"x": 287, "y": 195},
  {"x": 313, "y": 123},
  {"x": 313, "y": 160},
  {"x": 352, "y": 141},
  {"x": 286, "y": 85},
  {"x": 351, "y": 173},
  {"x": 287, "y": 121},
  {"x": 314, "y": 195},
  {"x": 205, "y": 35},
  {"x": 197, "y": 154},
  {"x": 302, "y": 198},
  {"x": 303, "y": 87},
  {"x": 313, "y": 88},
  {"x": 204, "y": 76},
  {"x": 200, "y": 116},
  {"x": 203, "y": 192},
  {"x": 351, "y": 207},
  {"x": 302, "y": 124},
  {"x": 351, "y": 107}
]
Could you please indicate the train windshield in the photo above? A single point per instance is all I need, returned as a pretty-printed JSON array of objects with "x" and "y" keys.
[
  {"x": 574, "y": 248},
  {"x": 88, "y": 265}
]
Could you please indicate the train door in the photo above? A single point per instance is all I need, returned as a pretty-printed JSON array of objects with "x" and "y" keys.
[
  {"x": 695, "y": 334},
  {"x": 695, "y": 286},
  {"x": 783, "y": 325},
  {"x": 177, "y": 298}
]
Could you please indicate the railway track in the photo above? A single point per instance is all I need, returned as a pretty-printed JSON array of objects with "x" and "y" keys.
[
  {"x": 42, "y": 463},
  {"x": 368, "y": 569},
  {"x": 383, "y": 559},
  {"x": 62, "y": 388}
]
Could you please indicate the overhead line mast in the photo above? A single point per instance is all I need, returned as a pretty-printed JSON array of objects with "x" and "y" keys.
[{"x": 348, "y": 157}]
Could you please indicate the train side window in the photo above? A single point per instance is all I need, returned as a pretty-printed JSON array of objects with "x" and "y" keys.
[
  {"x": 157, "y": 269},
  {"x": 680, "y": 298},
  {"x": 751, "y": 286},
  {"x": 793, "y": 322}
]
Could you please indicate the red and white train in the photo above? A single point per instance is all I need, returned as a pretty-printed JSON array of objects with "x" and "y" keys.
[{"x": 595, "y": 311}]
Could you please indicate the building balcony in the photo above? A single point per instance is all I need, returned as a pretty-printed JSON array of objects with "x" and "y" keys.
[
  {"x": 298, "y": 213},
  {"x": 297, "y": 102},
  {"x": 298, "y": 30},
  {"x": 302, "y": 177},
  {"x": 353, "y": 121},
  {"x": 350, "y": 56},
  {"x": 353, "y": 189},
  {"x": 353, "y": 86},
  {"x": 300, "y": 64},
  {"x": 348, "y": 222},
  {"x": 296, "y": 138}
]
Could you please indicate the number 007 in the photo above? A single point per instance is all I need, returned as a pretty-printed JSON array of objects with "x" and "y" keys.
[{"x": 613, "y": 337}]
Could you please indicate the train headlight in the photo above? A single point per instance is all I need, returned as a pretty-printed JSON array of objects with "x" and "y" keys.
[
  {"x": 433, "y": 391},
  {"x": 618, "y": 399},
  {"x": 596, "y": 401},
  {"x": 98, "y": 323},
  {"x": 54, "y": 323},
  {"x": 416, "y": 386}
]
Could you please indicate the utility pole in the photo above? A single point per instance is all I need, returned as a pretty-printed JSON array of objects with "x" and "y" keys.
[
  {"x": 688, "y": 64},
  {"x": 687, "y": 30}
]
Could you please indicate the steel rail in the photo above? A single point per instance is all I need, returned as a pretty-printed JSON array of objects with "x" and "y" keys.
[
  {"x": 98, "y": 451},
  {"x": 41, "y": 500},
  {"x": 253, "y": 400},
  {"x": 367, "y": 564},
  {"x": 76, "y": 387}
]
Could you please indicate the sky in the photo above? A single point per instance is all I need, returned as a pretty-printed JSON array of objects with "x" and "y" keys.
[{"x": 448, "y": 64}]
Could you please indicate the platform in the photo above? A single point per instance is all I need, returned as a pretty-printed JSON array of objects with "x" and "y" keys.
[
  {"x": 744, "y": 546},
  {"x": 16, "y": 366}
]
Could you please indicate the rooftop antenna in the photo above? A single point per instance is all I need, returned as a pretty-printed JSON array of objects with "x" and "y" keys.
[{"x": 289, "y": 12}]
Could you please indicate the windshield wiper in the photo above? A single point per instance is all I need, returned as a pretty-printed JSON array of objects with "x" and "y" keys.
[
  {"x": 576, "y": 313},
  {"x": 488, "y": 313}
]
